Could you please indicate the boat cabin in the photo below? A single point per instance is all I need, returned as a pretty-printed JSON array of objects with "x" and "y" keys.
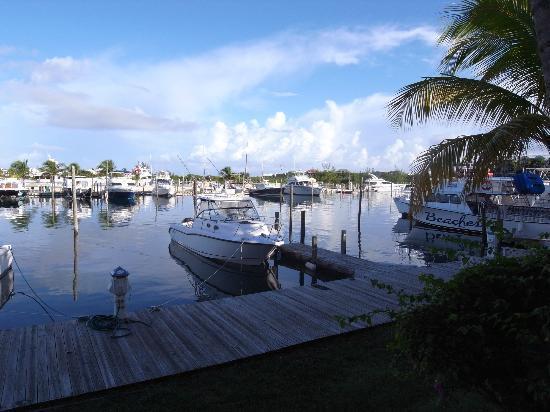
[{"x": 227, "y": 210}]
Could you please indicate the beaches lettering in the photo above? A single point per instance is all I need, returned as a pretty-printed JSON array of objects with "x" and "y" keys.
[{"x": 461, "y": 222}]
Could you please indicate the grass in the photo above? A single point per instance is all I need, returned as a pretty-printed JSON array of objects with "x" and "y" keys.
[{"x": 346, "y": 372}]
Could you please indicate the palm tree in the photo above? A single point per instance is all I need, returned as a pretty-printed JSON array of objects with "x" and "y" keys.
[
  {"x": 226, "y": 173},
  {"x": 106, "y": 166},
  {"x": 51, "y": 169},
  {"x": 19, "y": 169},
  {"x": 77, "y": 169},
  {"x": 506, "y": 96},
  {"x": 541, "y": 18}
]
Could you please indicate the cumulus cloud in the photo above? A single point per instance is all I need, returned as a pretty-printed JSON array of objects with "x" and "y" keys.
[{"x": 100, "y": 93}]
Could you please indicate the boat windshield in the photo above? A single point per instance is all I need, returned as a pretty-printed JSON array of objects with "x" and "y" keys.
[{"x": 228, "y": 210}]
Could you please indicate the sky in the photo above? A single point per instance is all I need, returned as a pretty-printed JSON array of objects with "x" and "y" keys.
[{"x": 286, "y": 84}]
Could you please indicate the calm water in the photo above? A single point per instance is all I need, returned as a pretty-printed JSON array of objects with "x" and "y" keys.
[{"x": 73, "y": 276}]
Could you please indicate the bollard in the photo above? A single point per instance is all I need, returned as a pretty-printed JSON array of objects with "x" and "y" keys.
[
  {"x": 276, "y": 225},
  {"x": 119, "y": 288},
  {"x": 343, "y": 242},
  {"x": 302, "y": 226}
]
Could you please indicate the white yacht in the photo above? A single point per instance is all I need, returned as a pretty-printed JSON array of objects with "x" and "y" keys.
[
  {"x": 6, "y": 259},
  {"x": 374, "y": 183},
  {"x": 228, "y": 229},
  {"x": 163, "y": 185},
  {"x": 301, "y": 184},
  {"x": 145, "y": 184},
  {"x": 121, "y": 189},
  {"x": 450, "y": 208},
  {"x": 10, "y": 187}
]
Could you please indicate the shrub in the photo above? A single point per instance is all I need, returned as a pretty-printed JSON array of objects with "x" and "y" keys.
[{"x": 487, "y": 329}]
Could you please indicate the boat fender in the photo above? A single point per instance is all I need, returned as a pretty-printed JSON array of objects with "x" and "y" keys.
[{"x": 311, "y": 266}]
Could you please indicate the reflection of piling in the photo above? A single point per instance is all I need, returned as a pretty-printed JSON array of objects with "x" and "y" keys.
[
  {"x": 276, "y": 225},
  {"x": 75, "y": 211},
  {"x": 343, "y": 242},
  {"x": 75, "y": 266},
  {"x": 302, "y": 226},
  {"x": 314, "y": 250}
]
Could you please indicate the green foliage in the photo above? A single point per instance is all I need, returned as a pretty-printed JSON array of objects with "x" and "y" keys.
[
  {"x": 493, "y": 41},
  {"x": 226, "y": 173},
  {"x": 51, "y": 168},
  {"x": 106, "y": 166},
  {"x": 19, "y": 169},
  {"x": 486, "y": 329}
]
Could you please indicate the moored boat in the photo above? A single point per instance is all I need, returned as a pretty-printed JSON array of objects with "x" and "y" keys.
[
  {"x": 6, "y": 259},
  {"x": 121, "y": 190},
  {"x": 300, "y": 184},
  {"x": 228, "y": 229}
]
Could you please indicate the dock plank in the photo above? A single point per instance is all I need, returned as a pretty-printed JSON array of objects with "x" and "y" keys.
[{"x": 65, "y": 359}]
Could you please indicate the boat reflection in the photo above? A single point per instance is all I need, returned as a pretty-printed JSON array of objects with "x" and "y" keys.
[
  {"x": 437, "y": 245},
  {"x": 6, "y": 287},
  {"x": 17, "y": 214},
  {"x": 212, "y": 280},
  {"x": 296, "y": 200},
  {"x": 115, "y": 215}
]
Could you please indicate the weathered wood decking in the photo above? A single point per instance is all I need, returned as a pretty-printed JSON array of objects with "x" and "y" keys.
[{"x": 64, "y": 359}]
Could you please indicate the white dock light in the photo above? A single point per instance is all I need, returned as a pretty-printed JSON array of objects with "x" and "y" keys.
[{"x": 119, "y": 288}]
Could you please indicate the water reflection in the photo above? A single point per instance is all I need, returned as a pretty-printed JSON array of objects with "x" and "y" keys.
[
  {"x": 17, "y": 213},
  {"x": 6, "y": 287},
  {"x": 296, "y": 200},
  {"x": 212, "y": 280},
  {"x": 115, "y": 215}
]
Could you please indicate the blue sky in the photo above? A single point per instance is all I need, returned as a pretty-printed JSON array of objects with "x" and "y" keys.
[{"x": 290, "y": 83}]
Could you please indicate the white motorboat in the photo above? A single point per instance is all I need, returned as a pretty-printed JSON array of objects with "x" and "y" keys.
[
  {"x": 228, "y": 229},
  {"x": 449, "y": 208},
  {"x": 163, "y": 185},
  {"x": 374, "y": 183},
  {"x": 6, "y": 259},
  {"x": 145, "y": 183},
  {"x": 301, "y": 184}
]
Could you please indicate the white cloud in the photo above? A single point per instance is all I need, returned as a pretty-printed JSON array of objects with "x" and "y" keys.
[{"x": 100, "y": 93}]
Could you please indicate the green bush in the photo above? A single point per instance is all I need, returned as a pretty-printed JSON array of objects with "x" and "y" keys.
[{"x": 487, "y": 329}]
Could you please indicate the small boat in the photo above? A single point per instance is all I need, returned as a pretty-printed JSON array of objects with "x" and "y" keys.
[
  {"x": 228, "y": 229},
  {"x": 270, "y": 192},
  {"x": 376, "y": 184},
  {"x": 163, "y": 185},
  {"x": 300, "y": 184},
  {"x": 121, "y": 190},
  {"x": 10, "y": 187},
  {"x": 6, "y": 259}
]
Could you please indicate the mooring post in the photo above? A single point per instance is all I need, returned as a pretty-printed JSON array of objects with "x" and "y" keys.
[
  {"x": 276, "y": 225},
  {"x": 483, "y": 228},
  {"x": 75, "y": 214},
  {"x": 499, "y": 231},
  {"x": 301, "y": 280},
  {"x": 314, "y": 250},
  {"x": 302, "y": 226},
  {"x": 195, "y": 197},
  {"x": 409, "y": 214},
  {"x": 290, "y": 214},
  {"x": 343, "y": 242}
]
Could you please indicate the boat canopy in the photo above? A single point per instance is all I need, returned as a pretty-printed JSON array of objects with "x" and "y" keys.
[{"x": 227, "y": 209}]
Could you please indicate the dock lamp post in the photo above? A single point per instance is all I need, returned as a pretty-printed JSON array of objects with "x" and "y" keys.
[{"x": 119, "y": 288}]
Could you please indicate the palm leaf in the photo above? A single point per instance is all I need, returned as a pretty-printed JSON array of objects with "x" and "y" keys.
[
  {"x": 482, "y": 151},
  {"x": 453, "y": 98}
]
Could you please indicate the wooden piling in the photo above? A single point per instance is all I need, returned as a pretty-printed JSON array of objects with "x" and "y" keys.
[
  {"x": 290, "y": 214},
  {"x": 314, "y": 250},
  {"x": 302, "y": 226},
  {"x": 276, "y": 225},
  {"x": 483, "y": 228},
  {"x": 195, "y": 197},
  {"x": 343, "y": 242},
  {"x": 75, "y": 211}
]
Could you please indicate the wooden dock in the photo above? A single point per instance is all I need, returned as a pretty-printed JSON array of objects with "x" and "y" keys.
[{"x": 66, "y": 359}]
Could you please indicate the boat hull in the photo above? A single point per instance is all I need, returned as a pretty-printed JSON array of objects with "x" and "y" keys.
[
  {"x": 272, "y": 192},
  {"x": 303, "y": 190},
  {"x": 117, "y": 196},
  {"x": 232, "y": 251},
  {"x": 6, "y": 259}
]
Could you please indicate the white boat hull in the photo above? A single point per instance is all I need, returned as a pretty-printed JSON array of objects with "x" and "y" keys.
[
  {"x": 238, "y": 251},
  {"x": 6, "y": 259},
  {"x": 303, "y": 190}
]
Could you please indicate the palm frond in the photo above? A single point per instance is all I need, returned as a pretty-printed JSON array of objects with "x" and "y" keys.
[
  {"x": 452, "y": 98},
  {"x": 495, "y": 39},
  {"x": 482, "y": 151}
]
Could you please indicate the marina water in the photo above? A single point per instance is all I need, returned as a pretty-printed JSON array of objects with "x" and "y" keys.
[{"x": 72, "y": 275}]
